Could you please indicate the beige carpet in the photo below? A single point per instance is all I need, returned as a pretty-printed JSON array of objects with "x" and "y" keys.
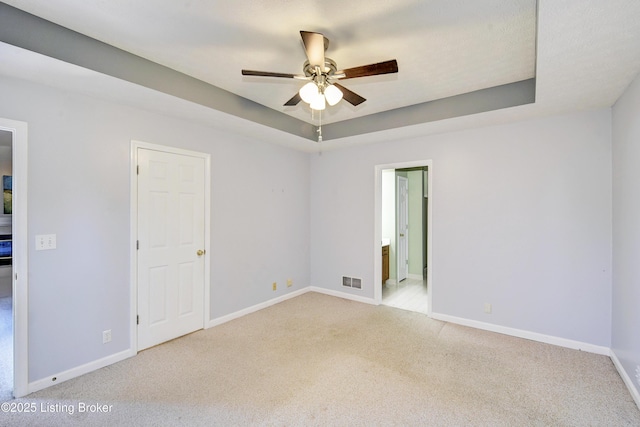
[{"x": 320, "y": 360}]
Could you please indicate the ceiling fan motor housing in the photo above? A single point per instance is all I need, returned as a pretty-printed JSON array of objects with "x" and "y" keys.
[{"x": 322, "y": 76}]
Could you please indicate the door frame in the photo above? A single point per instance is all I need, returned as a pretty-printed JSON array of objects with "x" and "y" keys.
[
  {"x": 20, "y": 253},
  {"x": 377, "y": 259},
  {"x": 133, "y": 232}
]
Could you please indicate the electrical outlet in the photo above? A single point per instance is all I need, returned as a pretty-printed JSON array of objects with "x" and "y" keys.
[
  {"x": 638, "y": 374},
  {"x": 106, "y": 336},
  {"x": 275, "y": 286},
  {"x": 289, "y": 283},
  {"x": 487, "y": 308}
]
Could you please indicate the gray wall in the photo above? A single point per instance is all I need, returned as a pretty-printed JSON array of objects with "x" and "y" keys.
[
  {"x": 626, "y": 230},
  {"x": 79, "y": 154},
  {"x": 521, "y": 220}
]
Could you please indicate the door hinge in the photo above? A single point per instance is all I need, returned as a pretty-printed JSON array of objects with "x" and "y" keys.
[
  {"x": 137, "y": 320},
  {"x": 137, "y": 169},
  {"x": 137, "y": 244}
]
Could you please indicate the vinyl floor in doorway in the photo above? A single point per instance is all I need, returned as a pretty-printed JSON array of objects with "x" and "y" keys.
[{"x": 409, "y": 294}]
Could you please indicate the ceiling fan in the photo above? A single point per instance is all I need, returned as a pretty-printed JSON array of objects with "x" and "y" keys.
[{"x": 322, "y": 72}]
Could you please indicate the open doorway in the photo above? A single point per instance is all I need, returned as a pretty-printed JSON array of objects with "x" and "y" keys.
[
  {"x": 404, "y": 215},
  {"x": 403, "y": 218},
  {"x": 16, "y": 226},
  {"x": 6, "y": 284}
]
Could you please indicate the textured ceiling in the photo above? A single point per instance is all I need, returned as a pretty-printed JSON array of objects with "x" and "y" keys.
[
  {"x": 443, "y": 47},
  {"x": 582, "y": 53}
]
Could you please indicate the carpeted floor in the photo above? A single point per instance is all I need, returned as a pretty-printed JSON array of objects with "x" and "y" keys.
[{"x": 321, "y": 360}]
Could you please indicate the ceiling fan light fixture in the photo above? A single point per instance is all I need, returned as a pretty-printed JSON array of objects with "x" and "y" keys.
[
  {"x": 332, "y": 94},
  {"x": 309, "y": 92},
  {"x": 318, "y": 103}
]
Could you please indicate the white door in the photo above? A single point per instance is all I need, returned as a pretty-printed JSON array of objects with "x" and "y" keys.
[
  {"x": 170, "y": 246},
  {"x": 403, "y": 228}
]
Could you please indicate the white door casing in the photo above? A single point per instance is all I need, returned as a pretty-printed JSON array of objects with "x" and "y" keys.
[
  {"x": 171, "y": 245},
  {"x": 20, "y": 269},
  {"x": 402, "y": 194}
]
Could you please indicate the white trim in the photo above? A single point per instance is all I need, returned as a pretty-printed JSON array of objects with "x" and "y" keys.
[
  {"x": 633, "y": 389},
  {"x": 377, "y": 259},
  {"x": 133, "y": 230},
  {"x": 274, "y": 301},
  {"x": 229, "y": 317},
  {"x": 344, "y": 295},
  {"x": 79, "y": 370},
  {"x": 534, "y": 336},
  {"x": 20, "y": 256}
]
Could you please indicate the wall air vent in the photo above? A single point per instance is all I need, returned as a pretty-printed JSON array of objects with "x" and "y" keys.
[{"x": 352, "y": 282}]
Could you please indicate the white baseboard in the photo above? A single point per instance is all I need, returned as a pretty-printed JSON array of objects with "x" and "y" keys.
[
  {"x": 343, "y": 295},
  {"x": 78, "y": 371},
  {"x": 633, "y": 389},
  {"x": 224, "y": 319},
  {"x": 534, "y": 336},
  {"x": 227, "y": 318}
]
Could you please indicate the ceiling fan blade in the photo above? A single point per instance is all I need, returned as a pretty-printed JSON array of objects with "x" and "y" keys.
[
  {"x": 267, "y": 74},
  {"x": 314, "y": 46},
  {"x": 349, "y": 96},
  {"x": 293, "y": 101},
  {"x": 386, "y": 67}
]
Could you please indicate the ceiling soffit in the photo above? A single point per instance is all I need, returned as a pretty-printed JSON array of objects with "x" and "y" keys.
[{"x": 33, "y": 33}]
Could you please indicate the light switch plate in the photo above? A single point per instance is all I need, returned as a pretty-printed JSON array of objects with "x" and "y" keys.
[{"x": 45, "y": 242}]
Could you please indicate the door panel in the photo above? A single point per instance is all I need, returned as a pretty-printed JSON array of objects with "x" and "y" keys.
[
  {"x": 170, "y": 234},
  {"x": 157, "y": 295},
  {"x": 403, "y": 228}
]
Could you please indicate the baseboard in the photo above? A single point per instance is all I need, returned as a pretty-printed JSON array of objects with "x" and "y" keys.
[
  {"x": 633, "y": 389},
  {"x": 78, "y": 371},
  {"x": 343, "y": 295},
  {"x": 534, "y": 336},
  {"x": 229, "y": 317},
  {"x": 415, "y": 276}
]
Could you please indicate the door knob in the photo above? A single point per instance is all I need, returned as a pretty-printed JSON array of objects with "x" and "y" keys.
[
  {"x": 200, "y": 252},
  {"x": 401, "y": 234}
]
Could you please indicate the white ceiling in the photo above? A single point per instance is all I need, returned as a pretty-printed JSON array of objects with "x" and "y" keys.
[{"x": 583, "y": 53}]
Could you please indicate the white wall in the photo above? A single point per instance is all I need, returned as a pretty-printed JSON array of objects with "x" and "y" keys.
[
  {"x": 521, "y": 219},
  {"x": 79, "y": 153},
  {"x": 625, "y": 340}
]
